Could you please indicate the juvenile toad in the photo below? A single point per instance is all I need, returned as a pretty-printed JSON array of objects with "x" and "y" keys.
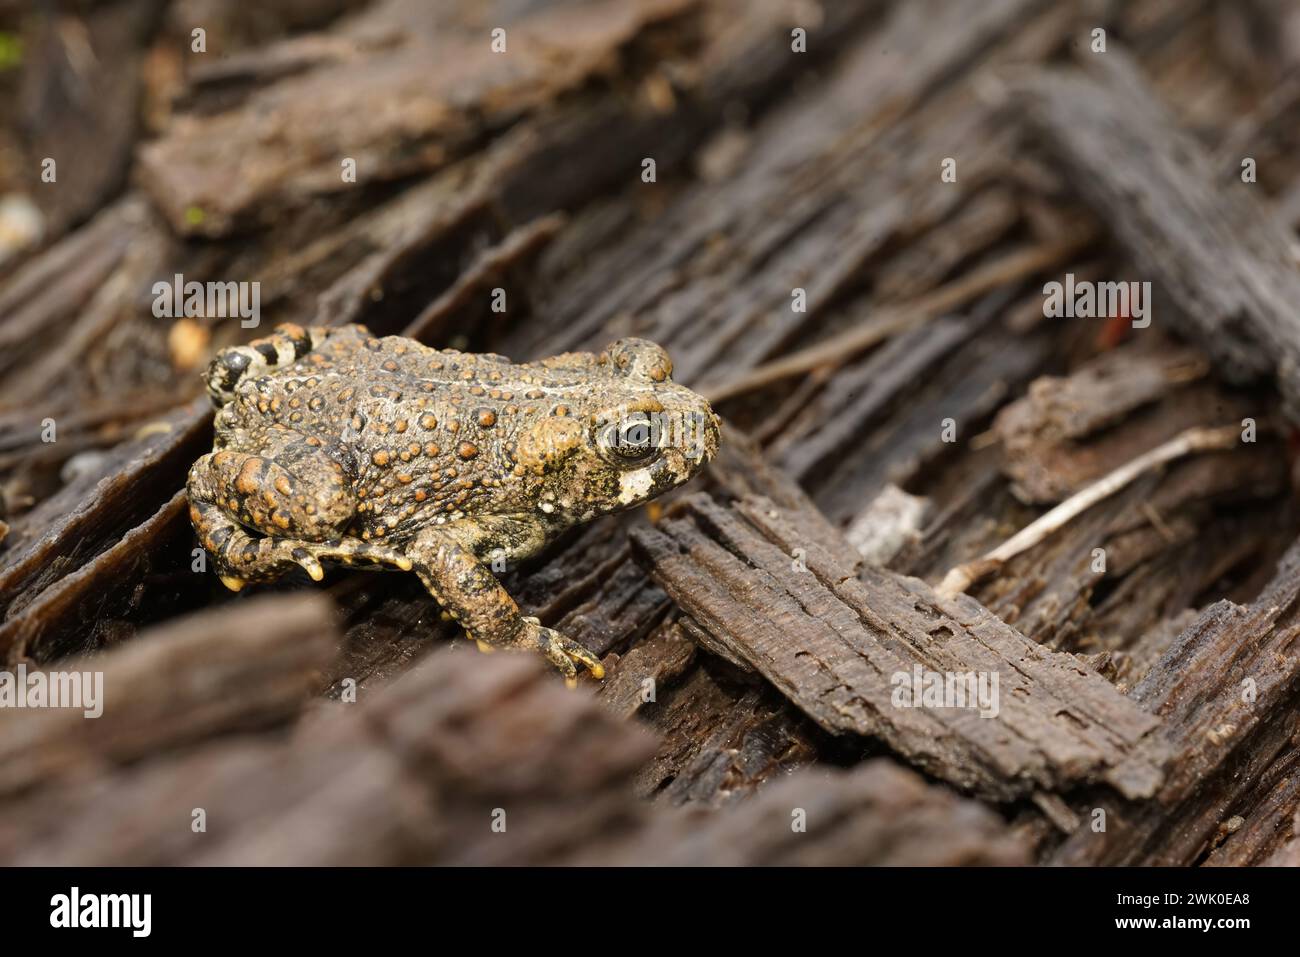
[{"x": 334, "y": 445}]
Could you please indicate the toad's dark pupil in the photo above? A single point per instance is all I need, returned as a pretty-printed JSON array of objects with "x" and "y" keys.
[
  {"x": 635, "y": 437},
  {"x": 633, "y": 442}
]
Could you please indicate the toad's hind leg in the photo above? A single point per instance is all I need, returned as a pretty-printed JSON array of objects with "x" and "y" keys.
[
  {"x": 471, "y": 594},
  {"x": 241, "y": 557},
  {"x": 301, "y": 520}
]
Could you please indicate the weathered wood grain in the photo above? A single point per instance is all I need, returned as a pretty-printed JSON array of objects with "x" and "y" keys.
[
  {"x": 251, "y": 666},
  {"x": 470, "y": 760},
  {"x": 285, "y": 143},
  {"x": 786, "y": 594},
  {"x": 1220, "y": 263},
  {"x": 878, "y": 814},
  {"x": 1225, "y": 693}
]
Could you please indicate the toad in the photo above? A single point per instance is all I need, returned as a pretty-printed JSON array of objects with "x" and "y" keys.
[{"x": 334, "y": 445}]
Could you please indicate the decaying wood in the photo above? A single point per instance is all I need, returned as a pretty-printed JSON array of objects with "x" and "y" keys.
[
  {"x": 67, "y": 530},
  {"x": 80, "y": 100},
  {"x": 1225, "y": 696},
  {"x": 634, "y": 680},
  {"x": 1185, "y": 443},
  {"x": 1288, "y": 854},
  {"x": 468, "y": 759},
  {"x": 821, "y": 195},
  {"x": 877, "y": 814},
  {"x": 1214, "y": 252},
  {"x": 892, "y": 522},
  {"x": 446, "y": 92},
  {"x": 241, "y": 669},
  {"x": 723, "y": 739},
  {"x": 72, "y": 614},
  {"x": 1060, "y": 436},
  {"x": 831, "y": 635},
  {"x": 1051, "y": 433},
  {"x": 840, "y": 348}
]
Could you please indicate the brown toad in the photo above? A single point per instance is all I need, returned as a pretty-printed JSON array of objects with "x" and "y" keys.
[{"x": 335, "y": 445}]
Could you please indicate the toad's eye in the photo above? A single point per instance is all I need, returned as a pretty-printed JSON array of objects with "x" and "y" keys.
[{"x": 631, "y": 441}]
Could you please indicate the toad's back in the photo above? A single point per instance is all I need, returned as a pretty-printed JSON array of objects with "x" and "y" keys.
[{"x": 352, "y": 354}]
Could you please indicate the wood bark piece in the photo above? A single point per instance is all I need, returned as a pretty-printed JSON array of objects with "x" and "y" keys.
[
  {"x": 892, "y": 522},
  {"x": 413, "y": 774},
  {"x": 830, "y": 636},
  {"x": 242, "y": 668},
  {"x": 80, "y": 100},
  {"x": 1213, "y": 250},
  {"x": 723, "y": 739},
  {"x": 66, "y": 531},
  {"x": 57, "y": 282},
  {"x": 877, "y": 814},
  {"x": 1190, "y": 442},
  {"x": 262, "y": 804},
  {"x": 420, "y": 773},
  {"x": 69, "y": 616},
  {"x": 1225, "y": 693},
  {"x": 285, "y": 143},
  {"x": 635, "y": 680},
  {"x": 1064, "y": 432},
  {"x": 499, "y": 731}
]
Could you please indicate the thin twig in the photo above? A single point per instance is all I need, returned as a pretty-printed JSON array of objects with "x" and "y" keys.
[
  {"x": 892, "y": 320},
  {"x": 1185, "y": 443}
]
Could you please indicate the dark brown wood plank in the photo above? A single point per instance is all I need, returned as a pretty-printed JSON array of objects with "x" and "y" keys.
[{"x": 782, "y": 592}]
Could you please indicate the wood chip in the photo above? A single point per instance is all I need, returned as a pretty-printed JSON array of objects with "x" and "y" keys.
[{"x": 782, "y": 591}]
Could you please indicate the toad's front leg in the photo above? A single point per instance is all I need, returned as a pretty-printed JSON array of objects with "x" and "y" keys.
[{"x": 471, "y": 594}]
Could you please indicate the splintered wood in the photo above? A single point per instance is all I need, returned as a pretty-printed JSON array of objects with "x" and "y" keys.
[
  {"x": 841, "y": 643},
  {"x": 442, "y": 93},
  {"x": 1225, "y": 692}
]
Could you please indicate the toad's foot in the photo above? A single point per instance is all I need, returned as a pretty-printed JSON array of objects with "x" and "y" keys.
[
  {"x": 559, "y": 651},
  {"x": 472, "y": 596}
]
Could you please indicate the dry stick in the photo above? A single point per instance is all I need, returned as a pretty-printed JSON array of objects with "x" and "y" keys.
[
  {"x": 895, "y": 319},
  {"x": 1185, "y": 443}
]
